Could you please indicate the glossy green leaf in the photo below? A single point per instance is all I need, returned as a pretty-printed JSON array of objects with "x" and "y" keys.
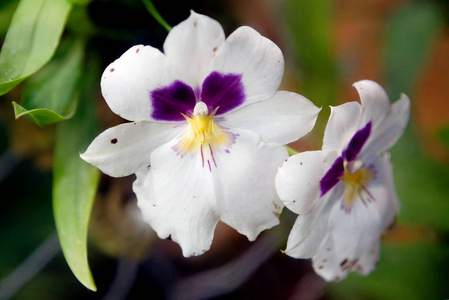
[
  {"x": 32, "y": 38},
  {"x": 75, "y": 181},
  {"x": 48, "y": 95}
]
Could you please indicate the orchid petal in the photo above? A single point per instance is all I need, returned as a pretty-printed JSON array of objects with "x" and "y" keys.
[
  {"x": 298, "y": 180},
  {"x": 309, "y": 231},
  {"x": 126, "y": 83},
  {"x": 368, "y": 261},
  {"x": 342, "y": 125},
  {"x": 256, "y": 58},
  {"x": 356, "y": 232},
  {"x": 126, "y": 148},
  {"x": 326, "y": 264},
  {"x": 331, "y": 267},
  {"x": 374, "y": 100},
  {"x": 244, "y": 181},
  {"x": 387, "y": 132},
  {"x": 190, "y": 47},
  {"x": 282, "y": 119},
  {"x": 177, "y": 199}
]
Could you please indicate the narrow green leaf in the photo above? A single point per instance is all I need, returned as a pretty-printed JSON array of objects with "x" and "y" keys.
[
  {"x": 75, "y": 181},
  {"x": 48, "y": 95},
  {"x": 32, "y": 38}
]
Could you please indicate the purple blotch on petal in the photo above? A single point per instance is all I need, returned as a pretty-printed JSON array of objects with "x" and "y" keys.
[
  {"x": 357, "y": 142},
  {"x": 170, "y": 101},
  {"x": 332, "y": 176},
  {"x": 222, "y": 90}
]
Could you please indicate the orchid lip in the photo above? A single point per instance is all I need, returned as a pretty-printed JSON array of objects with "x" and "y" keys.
[
  {"x": 217, "y": 90},
  {"x": 346, "y": 164}
]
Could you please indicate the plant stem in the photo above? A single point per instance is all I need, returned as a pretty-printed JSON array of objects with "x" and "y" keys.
[{"x": 153, "y": 11}]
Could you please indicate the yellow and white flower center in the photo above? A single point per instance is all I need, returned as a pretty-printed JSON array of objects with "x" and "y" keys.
[
  {"x": 355, "y": 179},
  {"x": 204, "y": 135}
]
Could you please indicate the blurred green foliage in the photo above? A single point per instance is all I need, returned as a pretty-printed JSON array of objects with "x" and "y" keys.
[{"x": 32, "y": 38}]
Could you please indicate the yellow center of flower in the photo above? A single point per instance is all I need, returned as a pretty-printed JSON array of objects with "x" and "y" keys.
[
  {"x": 203, "y": 135},
  {"x": 355, "y": 185}
]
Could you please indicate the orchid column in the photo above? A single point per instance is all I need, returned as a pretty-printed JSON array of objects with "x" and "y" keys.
[{"x": 207, "y": 132}]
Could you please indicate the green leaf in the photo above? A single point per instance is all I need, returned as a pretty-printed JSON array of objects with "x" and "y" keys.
[
  {"x": 32, "y": 38},
  {"x": 75, "y": 181},
  {"x": 48, "y": 95}
]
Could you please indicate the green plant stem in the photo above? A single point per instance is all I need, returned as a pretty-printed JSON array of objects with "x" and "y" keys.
[{"x": 153, "y": 11}]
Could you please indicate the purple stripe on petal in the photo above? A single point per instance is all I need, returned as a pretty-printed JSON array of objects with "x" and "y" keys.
[
  {"x": 332, "y": 176},
  {"x": 170, "y": 101},
  {"x": 222, "y": 90},
  {"x": 357, "y": 142}
]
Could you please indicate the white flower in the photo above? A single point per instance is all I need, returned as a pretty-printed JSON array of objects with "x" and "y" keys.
[
  {"x": 344, "y": 194},
  {"x": 208, "y": 130}
]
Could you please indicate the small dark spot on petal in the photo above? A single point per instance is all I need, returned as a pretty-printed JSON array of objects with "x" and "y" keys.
[
  {"x": 320, "y": 267},
  {"x": 111, "y": 69},
  {"x": 194, "y": 24},
  {"x": 294, "y": 201},
  {"x": 215, "y": 48},
  {"x": 328, "y": 249},
  {"x": 154, "y": 205},
  {"x": 137, "y": 50},
  {"x": 114, "y": 141},
  {"x": 134, "y": 123},
  {"x": 300, "y": 163},
  {"x": 324, "y": 260},
  {"x": 343, "y": 263}
]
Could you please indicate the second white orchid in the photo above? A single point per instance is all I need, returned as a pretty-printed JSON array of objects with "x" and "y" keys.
[{"x": 344, "y": 194}]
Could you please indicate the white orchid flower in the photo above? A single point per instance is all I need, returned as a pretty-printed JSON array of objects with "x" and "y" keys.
[
  {"x": 207, "y": 132},
  {"x": 344, "y": 194}
]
